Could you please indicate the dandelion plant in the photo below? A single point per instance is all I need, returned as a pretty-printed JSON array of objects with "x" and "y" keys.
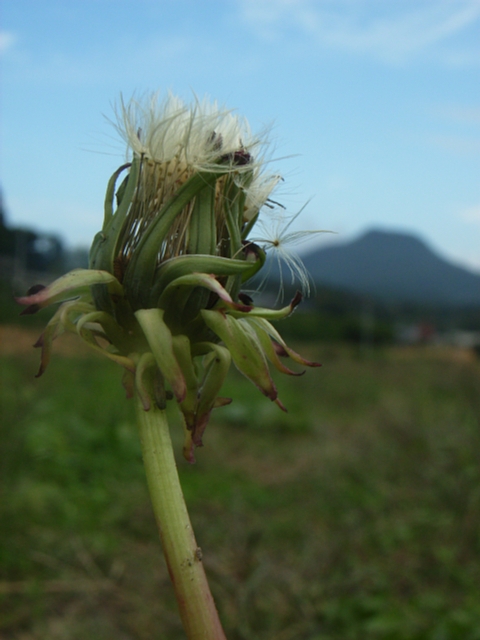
[{"x": 164, "y": 297}]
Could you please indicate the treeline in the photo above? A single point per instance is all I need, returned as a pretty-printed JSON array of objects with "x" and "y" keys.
[
  {"x": 27, "y": 250},
  {"x": 339, "y": 316},
  {"x": 336, "y": 316},
  {"x": 29, "y": 257}
]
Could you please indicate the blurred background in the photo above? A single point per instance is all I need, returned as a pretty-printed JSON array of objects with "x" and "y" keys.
[{"x": 355, "y": 515}]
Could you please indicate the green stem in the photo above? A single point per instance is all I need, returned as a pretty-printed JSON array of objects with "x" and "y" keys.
[{"x": 184, "y": 558}]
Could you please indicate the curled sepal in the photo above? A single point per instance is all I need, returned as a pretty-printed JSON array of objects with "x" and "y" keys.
[
  {"x": 53, "y": 329},
  {"x": 113, "y": 331},
  {"x": 280, "y": 345},
  {"x": 69, "y": 286},
  {"x": 144, "y": 374},
  {"x": 128, "y": 383},
  {"x": 256, "y": 256},
  {"x": 270, "y": 314},
  {"x": 110, "y": 193},
  {"x": 244, "y": 347},
  {"x": 175, "y": 268},
  {"x": 183, "y": 354},
  {"x": 269, "y": 347},
  {"x": 159, "y": 338},
  {"x": 58, "y": 324},
  {"x": 216, "y": 366},
  {"x": 90, "y": 334},
  {"x": 188, "y": 446},
  {"x": 206, "y": 281},
  {"x": 105, "y": 245}
]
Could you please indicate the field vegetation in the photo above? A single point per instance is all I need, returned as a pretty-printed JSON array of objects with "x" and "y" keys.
[{"x": 354, "y": 516}]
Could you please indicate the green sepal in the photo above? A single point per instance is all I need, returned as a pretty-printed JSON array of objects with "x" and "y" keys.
[
  {"x": 268, "y": 314},
  {"x": 181, "y": 348},
  {"x": 70, "y": 312},
  {"x": 269, "y": 348},
  {"x": 248, "y": 226},
  {"x": 128, "y": 383},
  {"x": 215, "y": 365},
  {"x": 202, "y": 239},
  {"x": 71, "y": 285},
  {"x": 233, "y": 201},
  {"x": 202, "y": 228},
  {"x": 245, "y": 349},
  {"x": 110, "y": 194},
  {"x": 89, "y": 336},
  {"x": 159, "y": 338},
  {"x": 282, "y": 346},
  {"x": 113, "y": 331},
  {"x": 255, "y": 256},
  {"x": 58, "y": 324},
  {"x": 106, "y": 244},
  {"x": 139, "y": 275},
  {"x": 53, "y": 329},
  {"x": 216, "y": 368},
  {"x": 203, "y": 280},
  {"x": 103, "y": 254},
  {"x": 144, "y": 379},
  {"x": 175, "y": 268}
]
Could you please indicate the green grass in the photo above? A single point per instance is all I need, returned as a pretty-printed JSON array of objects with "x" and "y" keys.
[{"x": 354, "y": 516}]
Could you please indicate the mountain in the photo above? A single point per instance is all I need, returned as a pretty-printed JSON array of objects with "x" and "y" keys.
[{"x": 394, "y": 267}]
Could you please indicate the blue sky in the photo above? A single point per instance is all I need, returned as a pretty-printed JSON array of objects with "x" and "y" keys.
[{"x": 374, "y": 106}]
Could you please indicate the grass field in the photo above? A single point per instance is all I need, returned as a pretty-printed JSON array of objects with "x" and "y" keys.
[{"x": 354, "y": 516}]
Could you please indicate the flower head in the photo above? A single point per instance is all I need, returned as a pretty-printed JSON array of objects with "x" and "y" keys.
[
  {"x": 163, "y": 294},
  {"x": 194, "y": 136}
]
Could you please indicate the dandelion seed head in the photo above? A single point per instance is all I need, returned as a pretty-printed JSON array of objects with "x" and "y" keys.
[
  {"x": 197, "y": 134},
  {"x": 175, "y": 140}
]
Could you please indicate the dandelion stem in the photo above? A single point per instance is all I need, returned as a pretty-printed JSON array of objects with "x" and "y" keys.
[{"x": 184, "y": 559}]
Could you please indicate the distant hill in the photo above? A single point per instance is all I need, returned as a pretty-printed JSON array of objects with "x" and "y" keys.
[{"x": 393, "y": 267}]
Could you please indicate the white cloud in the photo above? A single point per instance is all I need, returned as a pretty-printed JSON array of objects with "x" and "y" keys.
[
  {"x": 459, "y": 113},
  {"x": 96, "y": 64},
  {"x": 459, "y": 144},
  {"x": 471, "y": 214},
  {"x": 7, "y": 40},
  {"x": 391, "y": 31}
]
